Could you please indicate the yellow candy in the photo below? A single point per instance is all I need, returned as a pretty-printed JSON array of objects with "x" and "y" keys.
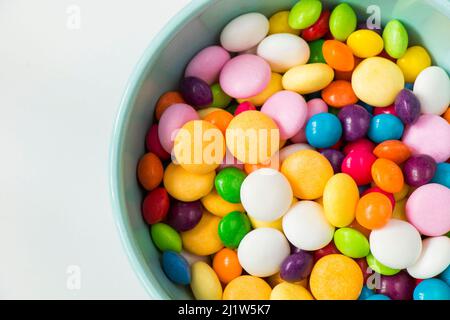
[
  {"x": 402, "y": 194},
  {"x": 308, "y": 78},
  {"x": 414, "y": 60},
  {"x": 277, "y": 224},
  {"x": 199, "y": 147},
  {"x": 278, "y": 23},
  {"x": 203, "y": 239},
  {"x": 218, "y": 206},
  {"x": 365, "y": 43},
  {"x": 252, "y": 137},
  {"x": 339, "y": 200},
  {"x": 205, "y": 284},
  {"x": 275, "y": 280},
  {"x": 400, "y": 210},
  {"x": 290, "y": 291},
  {"x": 247, "y": 288},
  {"x": 273, "y": 87},
  {"x": 336, "y": 277},
  {"x": 186, "y": 186},
  {"x": 377, "y": 81},
  {"x": 308, "y": 172},
  {"x": 202, "y": 113}
]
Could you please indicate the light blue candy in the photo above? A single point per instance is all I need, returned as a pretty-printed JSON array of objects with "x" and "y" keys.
[
  {"x": 365, "y": 293},
  {"x": 432, "y": 289},
  {"x": 176, "y": 267},
  {"x": 385, "y": 127},
  {"x": 442, "y": 175},
  {"x": 378, "y": 297},
  {"x": 445, "y": 276},
  {"x": 323, "y": 130}
]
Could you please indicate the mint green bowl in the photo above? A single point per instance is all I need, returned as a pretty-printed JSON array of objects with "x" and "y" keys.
[{"x": 162, "y": 66}]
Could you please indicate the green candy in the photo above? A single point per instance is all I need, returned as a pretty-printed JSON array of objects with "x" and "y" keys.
[
  {"x": 395, "y": 39},
  {"x": 228, "y": 184},
  {"x": 316, "y": 54},
  {"x": 342, "y": 21},
  {"x": 380, "y": 268},
  {"x": 304, "y": 14},
  {"x": 233, "y": 228},
  {"x": 351, "y": 243},
  {"x": 220, "y": 98},
  {"x": 165, "y": 237}
]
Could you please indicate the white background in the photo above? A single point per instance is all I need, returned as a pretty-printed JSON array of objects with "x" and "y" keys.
[{"x": 60, "y": 89}]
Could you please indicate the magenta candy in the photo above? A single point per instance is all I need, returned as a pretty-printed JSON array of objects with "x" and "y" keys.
[
  {"x": 196, "y": 92},
  {"x": 355, "y": 122},
  {"x": 397, "y": 287},
  {"x": 297, "y": 266},
  {"x": 358, "y": 165},
  {"x": 184, "y": 216},
  {"x": 335, "y": 157},
  {"x": 407, "y": 106},
  {"x": 207, "y": 64},
  {"x": 384, "y": 110},
  {"x": 419, "y": 170},
  {"x": 244, "y": 106},
  {"x": 153, "y": 144},
  {"x": 360, "y": 145}
]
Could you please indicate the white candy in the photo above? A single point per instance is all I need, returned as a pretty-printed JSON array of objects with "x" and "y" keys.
[
  {"x": 432, "y": 88},
  {"x": 266, "y": 194},
  {"x": 262, "y": 251},
  {"x": 397, "y": 245},
  {"x": 433, "y": 260},
  {"x": 284, "y": 51},
  {"x": 293, "y": 148},
  {"x": 244, "y": 32},
  {"x": 306, "y": 227}
]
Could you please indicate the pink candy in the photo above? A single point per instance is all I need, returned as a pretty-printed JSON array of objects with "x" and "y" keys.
[{"x": 207, "y": 64}]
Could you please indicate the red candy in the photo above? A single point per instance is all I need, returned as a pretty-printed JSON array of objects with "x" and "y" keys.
[
  {"x": 358, "y": 164},
  {"x": 244, "y": 106},
  {"x": 318, "y": 29},
  {"x": 360, "y": 145},
  {"x": 387, "y": 194},
  {"x": 156, "y": 205},
  {"x": 385, "y": 110},
  {"x": 328, "y": 249},
  {"x": 153, "y": 145}
]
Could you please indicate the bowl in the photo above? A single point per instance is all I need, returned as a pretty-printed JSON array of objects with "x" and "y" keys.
[{"x": 161, "y": 68}]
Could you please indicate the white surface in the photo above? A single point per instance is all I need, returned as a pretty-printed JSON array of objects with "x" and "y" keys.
[{"x": 60, "y": 90}]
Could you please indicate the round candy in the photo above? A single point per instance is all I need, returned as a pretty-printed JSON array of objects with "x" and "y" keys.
[
  {"x": 442, "y": 175},
  {"x": 262, "y": 251},
  {"x": 378, "y": 297},
  {"x": 432, "y": 289},
  {"x": 153, "y": 144},
  {"x": 245, "y": 76},
  {"x": 176, "y": 267},
  {"x": 365, "y": 43},
  {"x": 247, "y": 288},
  {"x": 433, "y": 260},
  {"x": 186, "y": 186},
  {"x": 203, "y": 239},
  {"x": 419, "y": 170},
  {"x": 196, "y": 92},
  {"x": 283, "y": 51},
  {"x": 266, "y": 194},
  {"x": 243, "y": 107},
  {"x": 290, "y": 291},
  {"x": 355, "y": 122},
  {"x": 244, "y": 32},
  {"x": 207, "y": 64},
  {"x": 306, "y": 227},
  {"x": 377, "y": 81},
  {"x": 184, "y": 216},
  {"x": 220, "y": 98},
  {"x": 342, "y": 21},
  {"x": 150, "y": 171},
  {"x": 380, "y": 268},
  {"x": 323, "y": 130},
  {"x": 335, "y": 157},
  {"x": 205, "y": 284},
  {"x": 319, "y": 29},
  {"x": 358, "y": 164},
  {"x": 397, "y": 287},
  {"x": 385, "y": 110},
  {"x": 430, "y": 135},
  {"x": 226, "y": 265},
  {"x": 278, "y": 23},
  {"x": 315, "y": 51},
  {"x": 219, "y": 118},
  {"x": 215, "y": 204},
  {"x": 359, "y": 145},
  {"x": 432, "y": 88},
  {"x": 339, "y": 94},
  {"x": 155, "y": 206},
  {"x": 232, "y": 229},
  {"x": 165, "y": 237},
  {"x": 377, "y": 189},
  {"x": 428, "y": 210},
  {"x": 166, "y": 100},
  {"x": 304, "y": 14},
  {"x": 307, "y": 172},
  {"x": 393, "y": 150},
  {"x": 395, "y": 39},
  {"x": 274, "y": 86},
  {"x": 373, "y": 210},
  {"x": 415, "y": 59},
  {"x": 396, "y": 245},
  {"x": 308, "y": 78},
  {"x": 297, "y": 266},
  {"x": 387, "y": 175},
  {"x": 338, "y": 55},
  {"x": 365, "y": 293},
  {"x": 385, "y": 127},
  {"x": 351, "y": 243},
  {"x": 336, "y": 277},
  {"x": 228, "y": 184},
  {"x": 407, "y": 107}
]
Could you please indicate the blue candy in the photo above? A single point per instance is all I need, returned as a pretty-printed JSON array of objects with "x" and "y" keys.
[
  {"x": 385, "y": 127},
  {"x": 409, "y": 85},
  {"x": 378, "y": 297},
  {"x": 445, "y": 276},
  {"x": 432, "y": 289},
  {"x": 323, "y": 130},
  {"x": 442, "y": 175},
  {"x": 176, "y": 267},
  {"x": 365, "y": 293}
]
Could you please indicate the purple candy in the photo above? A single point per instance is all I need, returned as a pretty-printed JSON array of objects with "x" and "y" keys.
[
  {"x": 407, "y": 106},
  {"x": 196, "y": 92},
  {"x": 184, "y": 216},
  {"x": 335, "y": 157},
  {"x": 397, "y": 287},
  {"x": 355, "y": 122},
  {"x": 419, "y": 170},
  {"x": 297, "y": 266},
  {"x": 363, "y": 25}
]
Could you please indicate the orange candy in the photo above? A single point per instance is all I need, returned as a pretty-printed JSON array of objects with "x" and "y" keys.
[
  {"x": 220, "y": 118},
  {"x": 393, "y": 150},
  {"x": 347, "y": 75},
  {"x": 166, "y": 100},
  {"x": 373, "y": 210},
  {"x": 226, "y": 265},
  {"x": 387, "y": 175},
  {"x": 447, "y": 115},
  {"x": 339, "y": 94},
  {"x": 338, "y": 55},
  {"x": 150, "y": 171}
]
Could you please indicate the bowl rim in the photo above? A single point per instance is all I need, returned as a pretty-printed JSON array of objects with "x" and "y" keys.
[{"x": 147, "y": 60}]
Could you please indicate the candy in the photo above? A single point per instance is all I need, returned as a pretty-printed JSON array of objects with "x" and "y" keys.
[
  {"x": 377, "y": 81},
  {"x": 365, "y": 293},
  {"x": 393, "y": 150},
  {"x": 276, "y": 224},
  {"x": 290, "y": 291},
  {"x": 378, "y": 297},
  {"x": 395, "y": 39},
  {"x": 335, "y": 157},
  {"x": 402, "y": 194},
  {"x": 351, "y": 243},
  {"x": 442, "y": 175},
  {"x": 358, "y": 164},
  {"x": 184, "y": 216},
  {"x": 193, "y": 258},
  {"x": 306, "y": 227},
  {"x": 338, "y": 55},
  {"x": 228, "y": 184},
  {"x": 266, "y": 194},
  {"x": 339, "y": 93},
  {"x": 297, "y": 266},
  {"x": 165, "y": 237},
  {"x": 220, "y": 98},
  {"x": 373, "y": 210},
  {"x": 153, "y": 144},
  {"x": 445, "y": 276},
  {"x": 155, "y": 206},
  {"x": 387, "y": 194},
  {"x": 308, "y": 78},
  {"x": 166, "y": 100},
  {"x": 205, "y": 284},
  {"x": 433, "y": 260},
  {"x": 215, "y": 204},
  {"x": 196, "y": 92},
  {"x": 232, "y": 229},
  {"x": 176, "y": 268},
  {"x": 396, "y": 245},
  {"x": 432, "y": 88},
  {"x": 386, "y": 110},
  {"x": 275, "y": 85},
  {"x": 428, "y": 210},
  {"x": 336, "y": 277},
  {"x": 207, "y": 64},
  {"x": 203, "y": 113},
  {"x": 278, "y": 23},
  {"x": 319, "y": 29},
  {"x": 323, "y": 130},
  {"x": 355, "y": 122},
  {"x": 150, "y": 171},
  {"x": 359, "y": 145},
  {"x": 365, "y": 43},
  {"x": 432, "y": 289},
  {"x": 304, "y": 14},
  {"x": 415, "y": 59},
  {"x": 244, "y": 32},
  {"x": 342, "y": 21},
  {"x": 407, "y": 106},
  {"x": 220, "y": 119},
  {"x": 226, "y": 265},
  {"x": 419, "y": 170},
  {"x": 243, "y": 107},
  {"x": 262, "y": 251},
  {"x": 385, "y": 127},
  {"x": 203, "y": 239},
  {"x": 380, "y": 268},
  {"x": 247, "y": 288},
  {"x": 397, "y": 287},
  {"x": 315, "y": 51},
  {"x": 387, "y": 175}
]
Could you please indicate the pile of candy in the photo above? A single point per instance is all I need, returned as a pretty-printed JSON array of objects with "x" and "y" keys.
[{"x": 305, "y": 157}]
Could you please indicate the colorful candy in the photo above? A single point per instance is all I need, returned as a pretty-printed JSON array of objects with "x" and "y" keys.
[
  {"x": 226, "y": 265},
  {"x": 247, "y": 288},
  {"x": 150, "y": 171},
  {"x": 278, "y": 23},
  {"x": 395, "y": 39},
  {"x": 165, "y": 237},
  {"x": 351, "y": 243},
  {"x": 419, "y": 170},
  {"x": 323, "y": 130},
  {"x": 338, "y": 55},
  {"x": 297, "y": 266},
  {"x": 355, "y": 122},
  {"x": 155, "y": 206},
  {"x": 176, "y": 267},
  {"x": 233, "y": 228},
  {"x": 319, "y": 29},
  {"x": 373, "y": 210},
  {"x": 432, "y": 289},
  {"x": 365, "y": 43},
  {"x": 308, "y": 78},
  {"x": 304, "y": 14},
  {"x": 432, "y": 88},
  {"x": 290, "y": 291},
  {"x": 207, "y": 64},
  {"x": 184, "y": 216},
  {"x": 342, "y": 21},
  {"x": 413, "y": 62},
  {"x": 339, "y": 94},
  {"x": 205, "y": 284},
  {"x": 385, "y": 127},
  {"x": 433, "y": 260}
]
